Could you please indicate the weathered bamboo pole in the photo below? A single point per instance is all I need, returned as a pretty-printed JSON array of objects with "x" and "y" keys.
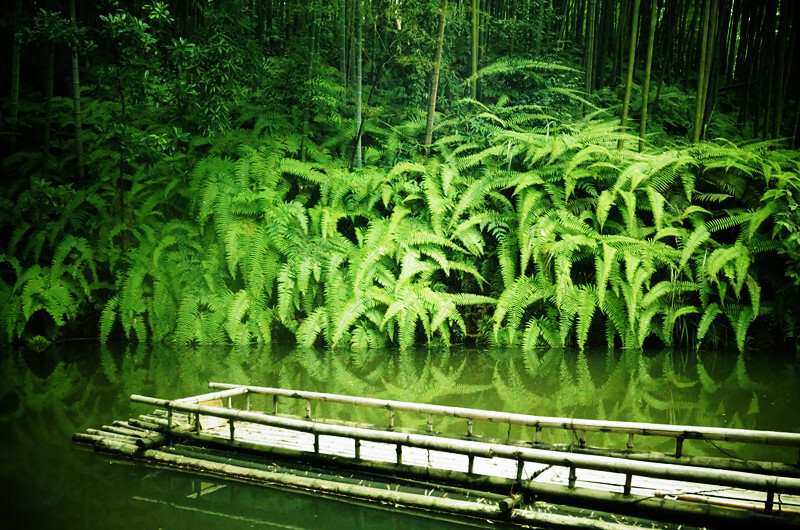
[
  {"x": 87, "y": 438},
  {"x": 664, "y": 509},
  {"x": 115, "y": 446},
  {"x": 412, "y": 480},
  {"x": 719, "y": 477},
  {"x": 136, "y": 433},
  {"x": 112, "y": 435},
  {"x": 685, "y": 432},
  {"x": 755, "y": 466},
  {"x": 233, "y": 391},
  {"x": 728, "y": 503},
  {"x": 475, "y": 509},
  {"x": 152, "y": 439},
  {"x": 145, "y": 424}
]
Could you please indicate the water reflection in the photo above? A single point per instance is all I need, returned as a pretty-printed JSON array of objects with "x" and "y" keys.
[{"x": 46, "y": 397}]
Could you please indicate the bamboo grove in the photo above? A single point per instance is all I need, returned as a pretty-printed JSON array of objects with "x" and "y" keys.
[{"x": 358, "y": 174}]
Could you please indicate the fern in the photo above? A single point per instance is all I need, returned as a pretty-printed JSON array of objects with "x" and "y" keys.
[
  {"x": 709, "y": 314},
  {"x": 740, "y": 317}
]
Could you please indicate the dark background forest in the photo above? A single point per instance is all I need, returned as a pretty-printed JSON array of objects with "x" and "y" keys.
[{"x": 357, "y": 173}]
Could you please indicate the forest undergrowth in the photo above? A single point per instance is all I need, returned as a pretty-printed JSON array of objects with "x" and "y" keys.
[{"x": 227, "y": 208}]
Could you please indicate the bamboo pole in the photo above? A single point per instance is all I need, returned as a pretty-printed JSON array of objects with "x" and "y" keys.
[
  {"x": 635, "y": 505},
  {"x": 87, "y": 438},
  {"x": 437, "y": 65},
  {"x": 115, "y": 446},
  {"x": 145, "y": 424},
  {"x": 230, "y": 392},
  {"x": 631, "y": 64},
  {"x": 148, "y": 440},
  {"x": 729, "y": 503},
  {"x": 408, "y": 479},
  {"x": 685, "y": 432},
  {"x": 491, "y": 511},
  {"x": 738, "y": 479},
  {"x": 111, "y": 435},
  {"x": 757, "y": 466},
  {"x": 135, "y": 433}
]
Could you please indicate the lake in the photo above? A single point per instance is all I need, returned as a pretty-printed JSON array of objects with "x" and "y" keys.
[{"x": 45, "y": 397}]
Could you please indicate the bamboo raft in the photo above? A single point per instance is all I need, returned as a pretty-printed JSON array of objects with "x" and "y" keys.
[{"x": 514, "y": 480}]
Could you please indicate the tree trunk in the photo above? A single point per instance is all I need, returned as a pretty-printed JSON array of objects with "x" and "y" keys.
[
  {"x": 352, "y": 18},
  {"x": 619, "y": 47},
  {"x": 768, "y": 73},
  {"x": 780, "y": 42},
  {"x": 15, "y": 58},
  {"x": 701, "y": 82},
  {"x": 713, "y": 64},
  {"x": 749, "y": 60},
  {"x": 359, "y": 77},
  {"x": 647, "y": 69},
  {"x": 788, "y": 63},
  {"x": 603, "y": 41},
  {"x": 538, "y": 27},
  {"x": 631, "y": 63},
  {"x": 589, "y": 49},
  {"x": 475, "y": 37},
  {"x": 48, "y": 110},
  {"x": 564, "y": 32},
  {"x": 437, "y": 66},
  {"x": 733, "y": 40},
  {"x": 667, "y": 23},
  {"x": 343, "y": 47},
  {"x": 580, "y": 15},
  {"x": 76, "y": 97},
  {"x": 688, "y": 40},
  {"x": 309, "y": 73},
  {"x": 260, "y": 25}
]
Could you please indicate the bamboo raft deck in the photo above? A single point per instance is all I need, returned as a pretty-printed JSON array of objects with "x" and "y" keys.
[{"x": 518, "y": 481}]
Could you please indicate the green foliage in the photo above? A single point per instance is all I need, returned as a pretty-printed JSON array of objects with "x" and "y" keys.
[
  {"x": 58, "y": 291},
  {"x": 616, "y": 235},
  {"x": 220, "y": 205}
]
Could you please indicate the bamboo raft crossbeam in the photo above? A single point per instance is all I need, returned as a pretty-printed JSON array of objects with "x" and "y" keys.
[
  {"x": 580, "y": 426},
  {"x": 649, "y": 485}
]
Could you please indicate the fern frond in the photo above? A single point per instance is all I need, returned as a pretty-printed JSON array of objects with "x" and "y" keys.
[
  {"x": 107, "y": 318},
  {"x": 697, "y": 238}
]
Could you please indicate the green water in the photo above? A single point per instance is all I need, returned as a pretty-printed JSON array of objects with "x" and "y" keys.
[{"x": 49, "y": 482}]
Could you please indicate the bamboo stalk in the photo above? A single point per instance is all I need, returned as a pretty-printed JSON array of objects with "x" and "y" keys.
[
  {"x": 437, "y": 64},
  {"x": 740, "y": 479},
  {"x": 639, "y": 428}
]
